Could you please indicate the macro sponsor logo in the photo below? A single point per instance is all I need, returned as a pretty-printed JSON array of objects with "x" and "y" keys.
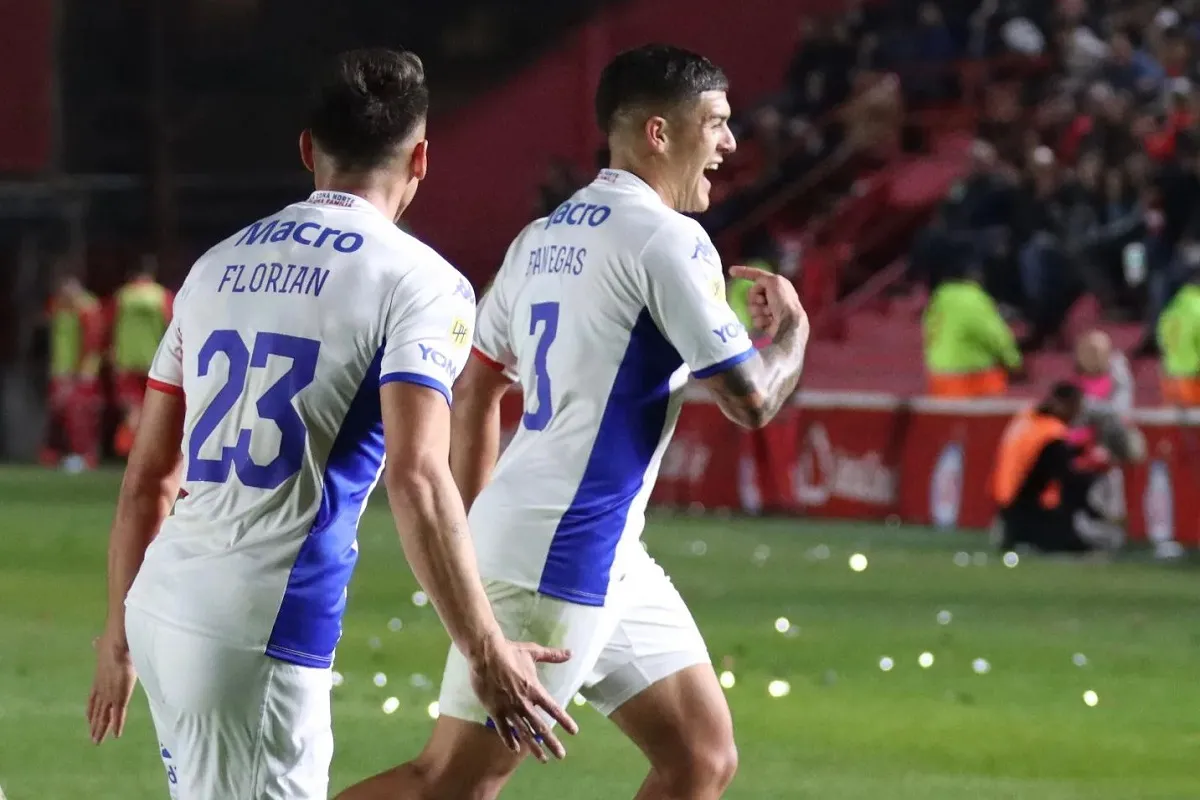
[
  {"x": 309, "y": 234},
  {"x": 575, "y": 214}
]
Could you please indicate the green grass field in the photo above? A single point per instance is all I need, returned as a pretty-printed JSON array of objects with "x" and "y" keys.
[{"x": 847, "y": 729}]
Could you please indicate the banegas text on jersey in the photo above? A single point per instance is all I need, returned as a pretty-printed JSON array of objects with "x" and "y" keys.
[
  {"x": 274, "y": 278},
  {"x": 555, "y": 259}
]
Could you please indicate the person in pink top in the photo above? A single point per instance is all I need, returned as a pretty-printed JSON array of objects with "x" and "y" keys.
[
  {"x": 1105, "y": 426},
  {"x": 1107, "y": 383}
]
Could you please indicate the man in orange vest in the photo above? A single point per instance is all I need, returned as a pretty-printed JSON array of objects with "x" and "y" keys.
[
  {"x": 76, "y": 348},
  {"x": 1040, "y": 481},
  {"x": 141, "y": 313}
]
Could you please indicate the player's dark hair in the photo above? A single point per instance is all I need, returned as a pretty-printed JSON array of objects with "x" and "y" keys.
[
  {"x": 656, "y": 78},
  {"x": 366, "y": 103}
]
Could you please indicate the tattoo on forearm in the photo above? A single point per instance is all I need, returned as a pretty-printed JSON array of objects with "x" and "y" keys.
[{"x": 755, "y": 390}]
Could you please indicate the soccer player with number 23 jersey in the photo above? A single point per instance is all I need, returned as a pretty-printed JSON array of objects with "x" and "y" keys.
[{"x": 303, "y": 351}]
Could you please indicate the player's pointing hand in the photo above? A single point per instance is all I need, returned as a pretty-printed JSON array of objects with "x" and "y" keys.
[
  {"x": 506, "y": 682},
  {"x": 774, "y": 305}
]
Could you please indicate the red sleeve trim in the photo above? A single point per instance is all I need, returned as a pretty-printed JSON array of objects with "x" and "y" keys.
[
  {"x": 165, "y": 388},
  {"x": 487, "y": 360}
]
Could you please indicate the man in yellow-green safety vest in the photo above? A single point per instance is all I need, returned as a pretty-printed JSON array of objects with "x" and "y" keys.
[
  {"x": 969, "y": 349},
  {"x": 76, "y": 322},
  {"x": 1179, "y": 340},
  {"x": 141, "y": 313}
]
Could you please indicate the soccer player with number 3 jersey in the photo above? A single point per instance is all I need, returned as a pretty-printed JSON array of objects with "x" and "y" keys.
[
  {"x": 602, "y": 312},
  {"x": 302, "y": 352}
]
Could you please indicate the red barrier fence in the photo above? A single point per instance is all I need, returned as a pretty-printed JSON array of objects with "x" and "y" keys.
[{"x": 874, "y": 457}]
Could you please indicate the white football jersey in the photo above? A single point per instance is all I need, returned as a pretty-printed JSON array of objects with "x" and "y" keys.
[
  {"x": 601, "y": 311},
  {"x": 281, "y": 338}
]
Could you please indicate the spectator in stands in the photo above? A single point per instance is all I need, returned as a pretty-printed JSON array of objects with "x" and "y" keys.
[
  {"x": 1179, "y": 340},
  {"x": 817, "y": 80},
  {"x": 1040, "y": 482},
  {"x": 1000, "y": 26},
  {"x": 974, "y": 214},
  {"x": 825, "y": 50},
  {"x": 1041, "y": 229},
  {"x": 1111, "y": 127},
  {"x": 930, "y": 44},
  {"x": 969, "y": 349},
  {"x": 1121, "y": 223},
  {"x": 1083, "y": 53},
  {"x": 1173, "y": 243},
  {"x": 1130, "y": 68}
]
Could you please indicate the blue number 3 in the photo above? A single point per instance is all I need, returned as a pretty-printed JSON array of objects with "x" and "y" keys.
[
  {"x": 275, "y": 405},
  {"x": 547, "y": 314}
]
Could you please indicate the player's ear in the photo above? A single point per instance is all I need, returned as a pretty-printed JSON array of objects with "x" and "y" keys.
[
  {"x": 419, "y": 164},
  {"x": 656, "y": 134},
  {"x": 306, "y": 149}
]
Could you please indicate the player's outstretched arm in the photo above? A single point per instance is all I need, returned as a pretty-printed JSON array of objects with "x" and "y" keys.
[
  {"x": 750, "y": 393},
  {"x": 148, "y": 490},
  {"x": 433, "y": 530},
  {"x": 475, "y": 440}
]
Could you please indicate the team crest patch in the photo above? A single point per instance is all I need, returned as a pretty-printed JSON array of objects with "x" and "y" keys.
[
  {"x": 460, "y": 332},
  {"x": 716, "y": 287}
]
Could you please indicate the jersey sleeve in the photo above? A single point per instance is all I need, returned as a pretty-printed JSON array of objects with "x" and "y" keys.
[
  {"x": 492, "y": 345},
  {"x": 428, "y": 332},
  {"x": 166, "y": 370},
  {"x": 685, "y": 293}
]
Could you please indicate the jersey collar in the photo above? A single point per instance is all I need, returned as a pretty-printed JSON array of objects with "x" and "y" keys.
[
  {"x": 341, "y": 200},
  {"x": 623, "y": 179}
]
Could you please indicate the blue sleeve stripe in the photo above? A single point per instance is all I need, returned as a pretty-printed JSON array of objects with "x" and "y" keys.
[
  {"x": 418, "y": 379},
  {"x": 728, "y": 363}
]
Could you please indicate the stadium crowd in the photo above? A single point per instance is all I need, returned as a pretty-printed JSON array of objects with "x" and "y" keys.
[{"x": 1094, "y": 188}]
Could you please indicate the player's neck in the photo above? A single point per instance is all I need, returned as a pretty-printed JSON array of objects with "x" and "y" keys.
[
  {"x": 651, "y": 177},
  {"x": 388, "y": 198}
]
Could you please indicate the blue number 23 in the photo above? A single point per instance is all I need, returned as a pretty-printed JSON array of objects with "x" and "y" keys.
[
  {"x": 547, "y": 314},
  {"x": 275, "y": 405}
]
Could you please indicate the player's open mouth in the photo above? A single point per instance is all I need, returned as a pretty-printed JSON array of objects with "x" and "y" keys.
[{"x": 707, "y": 169}]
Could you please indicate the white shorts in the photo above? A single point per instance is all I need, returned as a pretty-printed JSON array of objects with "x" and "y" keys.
[
  {"x": 644, "y": 634},
  {"x": 233, "y": 724}
]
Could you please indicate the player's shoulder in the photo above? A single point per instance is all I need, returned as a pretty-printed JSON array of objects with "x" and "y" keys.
[
  {"x": 677, "y": 238},
  {"x": 421, "y": 268},
  {"x": 530, "y": 230},
  {"x": 519, "y": 244},
  {"x": 670, "y": 226}
]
